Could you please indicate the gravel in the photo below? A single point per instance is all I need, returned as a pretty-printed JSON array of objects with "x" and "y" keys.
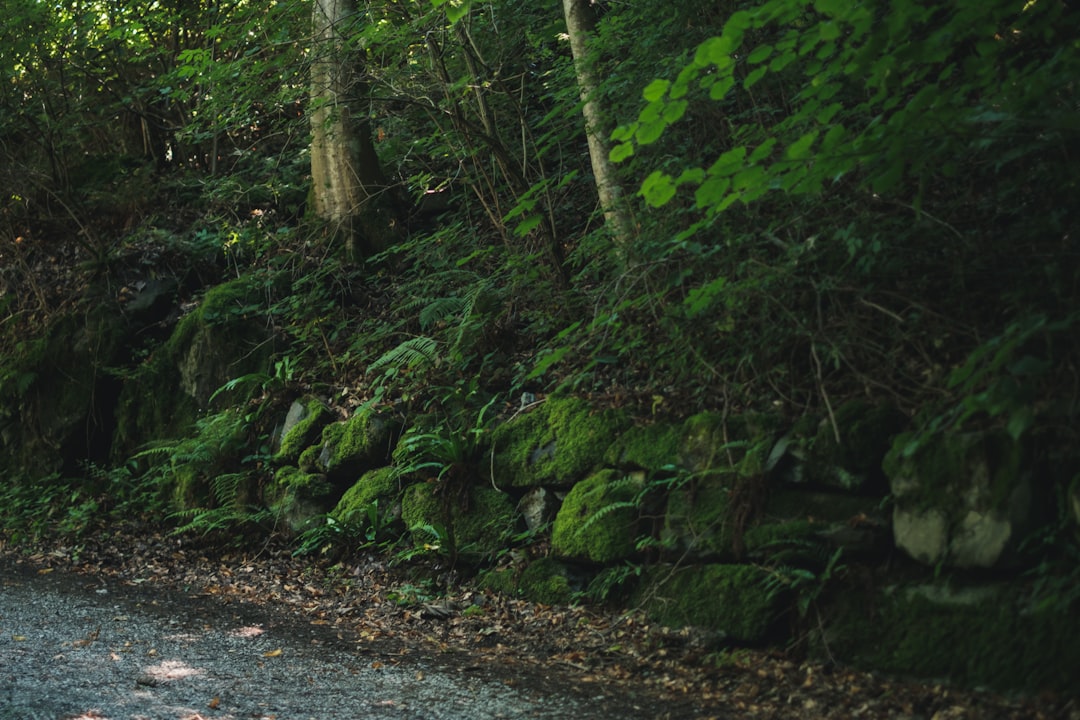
[{"x": 72, "y": 648}]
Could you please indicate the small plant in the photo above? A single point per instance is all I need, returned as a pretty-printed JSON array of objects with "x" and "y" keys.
[{"x": 805, "y": 586}]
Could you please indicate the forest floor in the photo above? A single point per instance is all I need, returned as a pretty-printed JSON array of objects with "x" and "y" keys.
[{"x": 365, "y": 601}]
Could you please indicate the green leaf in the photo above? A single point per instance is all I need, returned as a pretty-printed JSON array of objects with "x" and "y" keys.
[
  {"x": 527, "y": 225},
  {"x": 730, "y": 162},
  {"x": 621, "y": 151},
  {"x": 753, "y": 77},
  {"x": 801, "y": 147},
  {"x": 657, "y": 189},
  {"x": 650, "y": 132},
  {"x": 760, "y": 54},
  {"x": 711, "y": 193},
  {"x": 655, "y": 90},
  {"x": 701, "y": 298}
]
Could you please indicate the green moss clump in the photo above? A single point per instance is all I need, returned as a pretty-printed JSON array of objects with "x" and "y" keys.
[
  {"x": 379, "y": 485},
  {"x": 546, "y": 581},
  {"x": 300, "y": 484},
  {"x": 558, "y": 443},
  {"x": 352, "y": 447},
  {"x": 648, "y": 447},
  {"x": 598, "y": 518},
  {"x": 732, "y": 599},
  {"x": 479, "y": 528},
  {"x": 306, "y": 431},
  {"x": 698, "y": 520},
  {"x": 740, "y": 443}
]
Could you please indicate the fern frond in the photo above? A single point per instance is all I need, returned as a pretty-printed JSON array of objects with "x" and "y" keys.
[
  {"x": 440, "y": 309},
  {"x": 413, "y": 353}
]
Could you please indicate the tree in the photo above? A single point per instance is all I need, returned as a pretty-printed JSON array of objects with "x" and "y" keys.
[
  {"x": 350, "y": 191},
  {"x": 580, "y": 22}
]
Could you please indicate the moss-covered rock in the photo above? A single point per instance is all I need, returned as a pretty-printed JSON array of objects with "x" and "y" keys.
[
  {"x": 646, "y": 447},
  {"x": 217, "y": 342},
  {"x": 982, "y": 636},
  {"x": 556, "y": 444},
  {"x": 963, "y": 499},
  {"x": 739, "y": 444},
  {"x": 598, "y": 518},
  {"x": 698, "y": 520},
  {"x": 809, "y": 524},
  {"x": 731, "y": 599},
  {"x": 55, "y": 397},
  {"x": 477, "y": 528},
  {"x": 375, "y": 486},
  {"x": 303, "y": 426},
  {"x": 299, "y": 497},
  {"x": 547, "y": 581},
  {"x": 351, "y": 448}
]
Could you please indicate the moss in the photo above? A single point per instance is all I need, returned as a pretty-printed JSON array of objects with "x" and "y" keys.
[
  {"x": 954, "y": 471},
  {"x": 698, "y": 520},
  {"x": 352, "y": 447},
  {"x": 315, "y": 416},
  {"x": 648, "y": 447},
  {"x": 732, "y": 599},
  {"x": 546, "y": 581},
  {"x": 769, "y": 535},
  {"x": 299, "y": 497},
  {"x": 597, "y": 519},
  {"x": 215, "y": 343},
  {"x": 740, "y": 443},
  {"x": 981, "y": 637},
  {"x": 501, "y": 580},
  {"x": 379, "y": 485},
  {"x": 478, "y": 528},
  {"x": 298, "y": 483},
  {"x": 558, "y": 443}
]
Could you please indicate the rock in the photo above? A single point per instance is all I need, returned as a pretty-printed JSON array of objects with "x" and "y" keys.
[
  {"x": 476, "y": 528},
  {"x": 962, "y": 499},
  {"x": 813, "y": 523},
  {"x": 598, "y": 519},
  {"x": 555, "y": 444},
  {"x": 301, "y": 428},
  {"x": 538, "y": 507},
  {"x": 381, "y": 487},
  {"x": 698, "y": 520},
  {"x": 645, "y": 447},
  {"x": 351, "y": 448},
  {"x": 299, "y": 497},
  {"x": 977, "y": 634},
  {"x": 730, "y": 599}
]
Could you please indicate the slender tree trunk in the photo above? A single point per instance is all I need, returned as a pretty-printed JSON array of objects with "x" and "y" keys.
[
  {"x": 350, "y": 191},
  {"x": 580, "y": 22}
]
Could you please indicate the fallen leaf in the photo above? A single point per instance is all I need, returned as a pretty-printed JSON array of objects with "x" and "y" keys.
[
  {"x": 214, "y": 702},
  {"x": 272, "y": 653}
]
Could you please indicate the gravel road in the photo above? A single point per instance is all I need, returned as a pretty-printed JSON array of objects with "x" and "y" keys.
[{"x": 74, "y": 648}]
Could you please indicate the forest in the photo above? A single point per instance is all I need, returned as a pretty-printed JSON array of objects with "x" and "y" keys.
[{"x": 586, "y": 302}]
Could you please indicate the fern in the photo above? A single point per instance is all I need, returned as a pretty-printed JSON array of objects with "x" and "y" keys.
[
  {"x": 439, "y": 310},
  {"x": 414, "y": 353}
]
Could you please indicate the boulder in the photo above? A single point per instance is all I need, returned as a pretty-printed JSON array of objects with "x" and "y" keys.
[
  {"x": 476, "y": 528},
  {"x": 734, "y": 600},
  {"x": 598, "y": 519},
  {"x": 555, "y": 444},
  {"x": 538, "y": 507},
  {"x": 964, "y": 500},
  {"x": 302, "y": 427},
  {"x": 351, "y": 448}
]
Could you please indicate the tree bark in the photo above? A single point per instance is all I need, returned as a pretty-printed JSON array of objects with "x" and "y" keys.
[
  {"x": 580, "y": 22},
  {"x": 350, "y": 191}
]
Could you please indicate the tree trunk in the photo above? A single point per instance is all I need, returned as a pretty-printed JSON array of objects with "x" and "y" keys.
[
  {"x": 350, "y": 191},
  {"x": 580, "y": 22}
]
